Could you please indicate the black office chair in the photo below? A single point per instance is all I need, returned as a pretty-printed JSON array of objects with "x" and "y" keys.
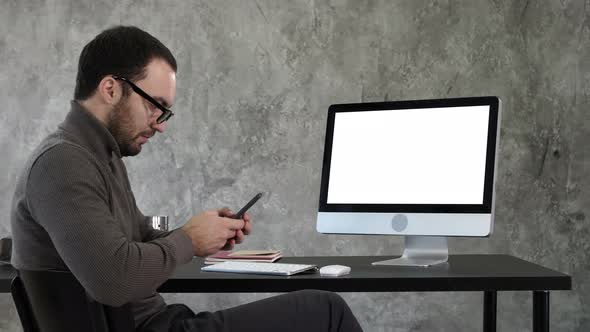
[{"x": 54, "y": 301}]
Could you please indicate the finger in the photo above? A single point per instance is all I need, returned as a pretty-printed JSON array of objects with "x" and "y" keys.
[
  {"x": 239, "y": 237},
  {"x": 230, "y": 234},
  {"x": 225, "y": 212},
  {"x": 246, "y": 217},
  {"x": 247, "y": 228},
  {"x": 229, "y": 245},
  {"x": 233, "y": 224}
]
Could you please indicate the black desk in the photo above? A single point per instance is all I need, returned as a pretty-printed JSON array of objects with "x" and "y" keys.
[{"x": 486, "y": 273}]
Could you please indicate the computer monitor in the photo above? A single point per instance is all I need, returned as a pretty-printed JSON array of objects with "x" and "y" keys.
[{"x": 422, "y": 169}]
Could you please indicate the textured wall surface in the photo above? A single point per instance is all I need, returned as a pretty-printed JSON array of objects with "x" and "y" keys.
[{"x": 254, "y": 83}]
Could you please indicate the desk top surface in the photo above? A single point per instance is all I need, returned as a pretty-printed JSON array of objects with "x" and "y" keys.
[{"x": 461, "y": 273}]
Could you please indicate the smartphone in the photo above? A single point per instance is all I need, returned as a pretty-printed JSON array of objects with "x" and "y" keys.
[{"x": 248, "y": 205}]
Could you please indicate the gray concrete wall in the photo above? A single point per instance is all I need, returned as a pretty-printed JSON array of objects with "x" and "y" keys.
[{"x": 254, "y": 83}]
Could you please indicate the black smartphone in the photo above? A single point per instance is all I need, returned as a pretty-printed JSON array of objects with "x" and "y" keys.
[{"x": 248, "y": 205}]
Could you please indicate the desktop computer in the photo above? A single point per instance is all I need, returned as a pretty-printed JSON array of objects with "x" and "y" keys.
[{"x": 422, "y": 169}]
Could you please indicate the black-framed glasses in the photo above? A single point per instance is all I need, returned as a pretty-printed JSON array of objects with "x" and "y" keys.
[{"x": 166, "y": 113}]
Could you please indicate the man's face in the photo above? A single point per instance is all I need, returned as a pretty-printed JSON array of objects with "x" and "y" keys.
[{"x": 133, "y": 119}]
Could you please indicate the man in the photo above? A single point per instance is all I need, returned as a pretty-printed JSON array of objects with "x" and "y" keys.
[{"x": 74, "y": 210}]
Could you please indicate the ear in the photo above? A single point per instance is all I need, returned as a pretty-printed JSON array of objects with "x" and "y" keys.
[{"x": 109, "y": 90}]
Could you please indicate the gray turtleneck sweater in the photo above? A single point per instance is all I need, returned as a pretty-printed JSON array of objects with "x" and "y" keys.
[{"x": 73, "y": 209}]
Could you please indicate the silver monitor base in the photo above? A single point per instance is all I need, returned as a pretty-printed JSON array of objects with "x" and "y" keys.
[{"x": 421, "y": 251}]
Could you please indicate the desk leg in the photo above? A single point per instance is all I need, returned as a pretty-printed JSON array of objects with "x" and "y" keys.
[
  {"x": 489, "y": 311},
  {"x": 540, "y": 311}
]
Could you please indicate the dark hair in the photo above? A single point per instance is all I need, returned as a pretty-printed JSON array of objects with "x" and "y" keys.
[{"x": 120, "y": 50}]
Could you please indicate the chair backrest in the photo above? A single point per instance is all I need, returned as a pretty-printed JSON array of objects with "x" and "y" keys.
[{"x": 51, "y": 301}]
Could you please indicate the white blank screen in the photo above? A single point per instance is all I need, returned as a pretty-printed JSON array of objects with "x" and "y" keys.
[{"x": 412, "y": 156}]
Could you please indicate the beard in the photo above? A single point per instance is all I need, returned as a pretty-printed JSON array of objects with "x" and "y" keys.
[{"x": 122, "y": 127}]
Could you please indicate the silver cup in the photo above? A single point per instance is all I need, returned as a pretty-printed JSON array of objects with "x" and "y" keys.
[{"x": 158, "y": 222}]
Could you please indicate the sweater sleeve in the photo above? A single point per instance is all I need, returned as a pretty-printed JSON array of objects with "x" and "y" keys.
[{"x": 68, "y": 196}]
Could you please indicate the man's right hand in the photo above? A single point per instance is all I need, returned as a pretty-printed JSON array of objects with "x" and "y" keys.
[{"x": 209, "y": 232}]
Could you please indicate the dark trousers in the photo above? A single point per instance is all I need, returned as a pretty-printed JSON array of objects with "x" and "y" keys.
[{"x": 308, "y": 310}]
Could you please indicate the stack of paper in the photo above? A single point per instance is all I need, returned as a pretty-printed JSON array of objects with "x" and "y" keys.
[{"x": 267, "y": 256}]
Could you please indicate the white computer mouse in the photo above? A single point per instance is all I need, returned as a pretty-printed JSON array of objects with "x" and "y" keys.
[{"x": 334, "y": 270}]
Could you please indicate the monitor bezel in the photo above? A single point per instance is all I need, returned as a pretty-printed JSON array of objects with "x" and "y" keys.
[{"x": 487, "y": 205}]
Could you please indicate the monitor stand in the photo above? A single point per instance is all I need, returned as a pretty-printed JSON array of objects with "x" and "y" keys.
[{"x": 421, "y": 251}]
